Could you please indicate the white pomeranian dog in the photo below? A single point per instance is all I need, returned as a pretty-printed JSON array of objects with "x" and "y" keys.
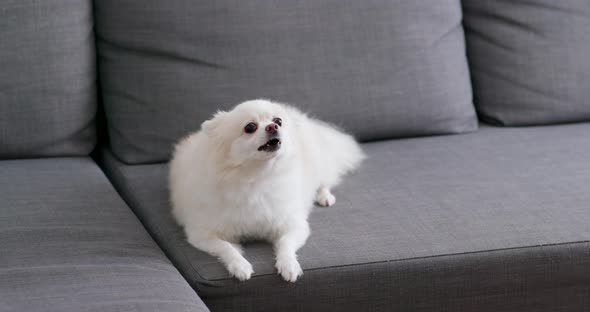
[{"x": 254, "y": 173}]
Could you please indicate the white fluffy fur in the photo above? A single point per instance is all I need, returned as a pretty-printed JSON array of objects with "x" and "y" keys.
[{"x": 224, "y": 190}]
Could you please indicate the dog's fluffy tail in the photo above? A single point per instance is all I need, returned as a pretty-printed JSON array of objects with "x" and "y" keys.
[{"x": 332, "y": 152}]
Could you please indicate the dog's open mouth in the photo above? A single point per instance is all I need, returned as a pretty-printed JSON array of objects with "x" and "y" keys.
[{"x": 270, "y": 146}]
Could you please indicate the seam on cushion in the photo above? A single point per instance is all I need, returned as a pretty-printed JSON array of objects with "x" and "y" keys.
[
  {"x": 426, "y": 257},
  {"x": 169, "y": 255},
  {"x": 132, "y": 203}
]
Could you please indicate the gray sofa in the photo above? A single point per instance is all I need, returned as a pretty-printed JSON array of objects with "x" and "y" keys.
[{"x": 452, "y": 211}]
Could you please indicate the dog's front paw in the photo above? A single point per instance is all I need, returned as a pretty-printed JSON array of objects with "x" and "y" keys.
[
  {"x": 289, "y": 269},
  {"x": 325, "y": 198},
  {"x": 240, "y": 269}
]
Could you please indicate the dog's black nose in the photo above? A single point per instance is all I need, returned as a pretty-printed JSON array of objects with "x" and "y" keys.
[{"x": 272, "y": 128}]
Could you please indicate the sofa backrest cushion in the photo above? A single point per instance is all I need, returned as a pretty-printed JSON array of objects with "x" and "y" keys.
[
  {"x": 530, "y": 60},
  {"x": 379, "y": 69},
  {"x": 47, "y": 78}
]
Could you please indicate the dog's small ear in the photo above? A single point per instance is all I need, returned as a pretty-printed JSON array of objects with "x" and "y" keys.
[{"x": 208, "y": 126}]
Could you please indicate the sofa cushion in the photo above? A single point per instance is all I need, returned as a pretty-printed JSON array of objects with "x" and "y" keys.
[
  {"x": 379, "y": 69},
  {"x": 491, "y": 221},
  {"x": 47, "y": 78},
  {"x": 69, "y": 243},
  {"x": 529, "y": 60}
]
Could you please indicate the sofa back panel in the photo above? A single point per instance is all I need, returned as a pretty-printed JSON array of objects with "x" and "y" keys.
[
  {"x": 47, "y": 78},
  {"x": 530, "y": 60},
  {"x": 379, "y": 69}
]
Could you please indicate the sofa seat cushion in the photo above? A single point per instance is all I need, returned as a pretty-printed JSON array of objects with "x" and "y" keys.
[
  {"x": 68, "y": 243},
  {"x": 494, "y": 220}
]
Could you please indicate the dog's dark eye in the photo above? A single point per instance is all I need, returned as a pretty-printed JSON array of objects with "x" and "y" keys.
[
  {"x": 250, "y": 128},
  {"x": 278, "y": 121}
]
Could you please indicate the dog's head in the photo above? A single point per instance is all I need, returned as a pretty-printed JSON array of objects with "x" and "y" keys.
[{"x": 253, "y": 130}]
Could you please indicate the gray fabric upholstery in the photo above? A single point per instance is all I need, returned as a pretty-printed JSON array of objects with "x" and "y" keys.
[
  {"x": 529, "y": 60},
  {"x": 47, "y": 78},
  {"x": 379, "y": 69},
  {"x": 69, "y": 243},
  {"x": 491, "y": 221}
]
